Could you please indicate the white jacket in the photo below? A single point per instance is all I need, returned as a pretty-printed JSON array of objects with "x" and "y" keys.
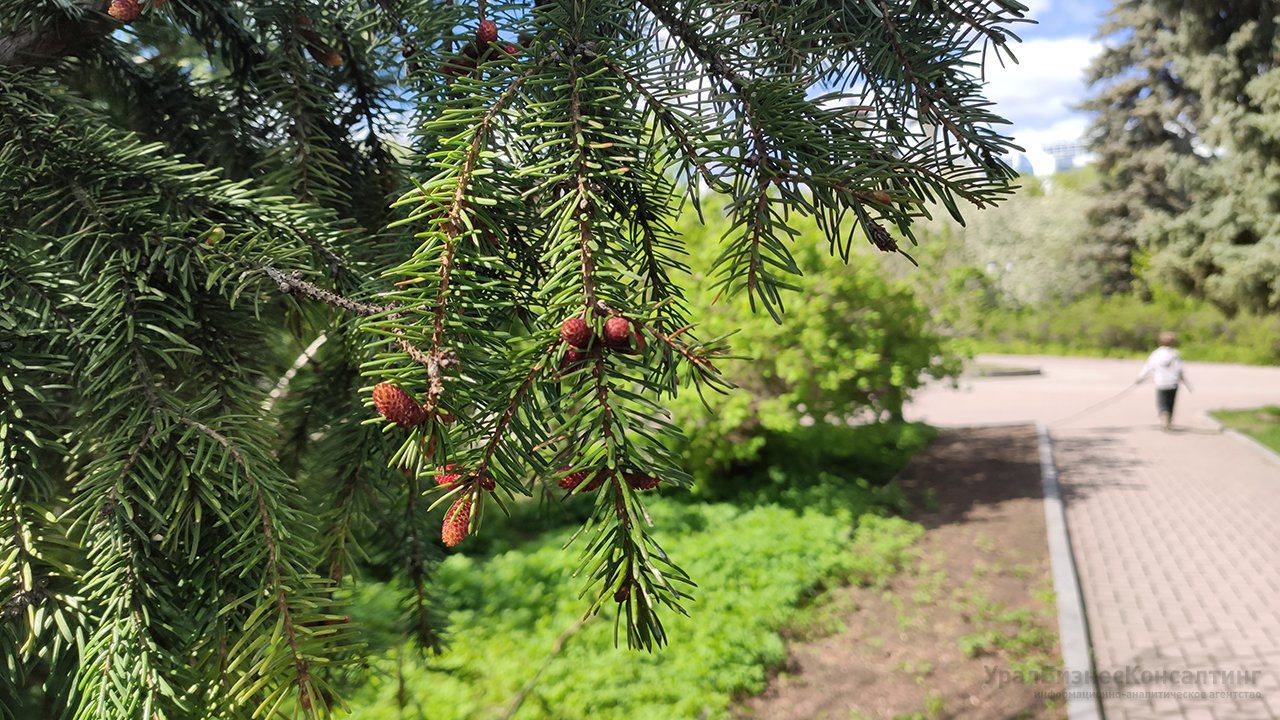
[{"x": 1166, "y": 365}]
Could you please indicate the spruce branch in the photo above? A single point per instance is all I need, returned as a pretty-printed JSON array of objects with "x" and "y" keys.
[
  {"x": 79, "y": 24},
  {"x": 584, "y": 207},
  {"x": 926, "y": 97},
  {"x": 291, "y": 282},
  {"x": 548, "y": 185},
  {"x": 670, "y": 123},
  {"x": 452, "y": 225},
  {"x": 498, "y": 433},
  {"x": 303, "y": 681}
]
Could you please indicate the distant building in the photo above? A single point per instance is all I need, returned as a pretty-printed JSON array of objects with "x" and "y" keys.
[
  {"x": 1064, "y": 154},
  {"x": 1020, "y": 163}
]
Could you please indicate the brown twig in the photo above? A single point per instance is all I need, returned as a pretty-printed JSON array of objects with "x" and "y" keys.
[
  {"x": 584, "y": 211},
  {"x": 437, "y": 361}
]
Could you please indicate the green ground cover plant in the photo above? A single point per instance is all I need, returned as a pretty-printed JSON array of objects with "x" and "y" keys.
[{"x": 759, "y": 568}]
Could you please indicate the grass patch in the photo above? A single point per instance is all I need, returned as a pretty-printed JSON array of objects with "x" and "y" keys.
[
  {"x": 1018, "y": 633},
  {"x": 1262, "y": 424}
]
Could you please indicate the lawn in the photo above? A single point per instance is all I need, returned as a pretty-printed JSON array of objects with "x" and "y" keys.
[{"x": 1262, "y": 424}]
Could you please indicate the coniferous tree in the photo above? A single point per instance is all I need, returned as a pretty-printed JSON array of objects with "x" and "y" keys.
[
  {"x": 224, "y": 222},
  {"x": 1146, "y": 125},
  {"x": 1189, "y": 105}
]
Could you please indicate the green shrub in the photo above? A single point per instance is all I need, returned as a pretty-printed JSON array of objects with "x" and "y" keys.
[
  {"x": 831, "y": 468},
  {"x": 853, "y": 348},
  {"x": 1127, "y": 326}
]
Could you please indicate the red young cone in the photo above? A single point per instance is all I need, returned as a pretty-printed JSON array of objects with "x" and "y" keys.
[
  {"x": 457, "y": 522},
  {"x": 395, "y": 405},
  {"x": 596, "y": 482},
  {"x": 617, "y": 333},
  {"x": 576, "y": 333},
  {"x": 511, "y": 49},
  {"x": 486, "y": 33},
  {"x": 125, "y": 10},
  {"x": 571, "y": 358},
  {"x": 448, "y": 475},
  {"x": 571, "y": 481},
  {"x": 458, "y": 66},
  {"x": 641, "y": 482}
]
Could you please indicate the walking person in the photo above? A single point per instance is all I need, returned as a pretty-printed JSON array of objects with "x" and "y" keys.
[{"x": 1165, "y": 367}]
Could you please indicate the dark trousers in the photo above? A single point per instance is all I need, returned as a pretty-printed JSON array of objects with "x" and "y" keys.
[{"x": 1165, "y": 398}]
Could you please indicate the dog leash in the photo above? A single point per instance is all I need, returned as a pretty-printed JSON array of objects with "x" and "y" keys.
[{"x": 1096, "y": 405}]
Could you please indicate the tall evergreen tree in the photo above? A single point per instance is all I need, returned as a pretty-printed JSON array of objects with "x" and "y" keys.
[
  {"x": 1146, "y": 125},
  {"x": 224, "y": 222},
  {"x": 1189, "y": 132}
]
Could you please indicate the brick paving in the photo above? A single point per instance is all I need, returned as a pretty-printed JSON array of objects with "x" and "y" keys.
[{"x": 1176, "y": 536}]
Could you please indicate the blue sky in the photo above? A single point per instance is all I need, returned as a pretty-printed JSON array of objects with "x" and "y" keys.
[{"x": 1037, "y": 93}]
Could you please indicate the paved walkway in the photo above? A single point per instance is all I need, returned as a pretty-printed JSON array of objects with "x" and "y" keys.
[{"x": 1176, "y": 535}]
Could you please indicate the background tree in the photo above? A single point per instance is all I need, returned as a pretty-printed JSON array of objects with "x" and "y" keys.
[
  {"x": 1037, "y": 249},
  {"x": 1188, "y": 102},
  {"x": 1146, "y": 125},
  {"x": 223, "y": 222}
]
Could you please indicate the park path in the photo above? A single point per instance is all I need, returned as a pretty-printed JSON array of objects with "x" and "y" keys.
[{"x": 1176, "y": 536}]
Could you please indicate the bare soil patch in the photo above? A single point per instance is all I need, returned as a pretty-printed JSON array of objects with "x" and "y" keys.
[{"x": 967, "y": 629}]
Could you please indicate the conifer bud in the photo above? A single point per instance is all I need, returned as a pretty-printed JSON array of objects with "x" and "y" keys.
[
  {"x": 457, "y": 522},
  {"x": 395, "y": 405},
  {"x": 486, "y": 33},
  {"x": 448, "y": 475},
  {"x": 124, "y": 10},
  {"x": 576, "y": 333},
  {"x": 617, "y": 333},
  {"x": 571, "y": 481},
  {"x": 572, "y": 358},
  {"x": 882, "y": 239},
  {"x": 641, "y": 482}
]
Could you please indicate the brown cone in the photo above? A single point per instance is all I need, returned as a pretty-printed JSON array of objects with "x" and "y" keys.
[
  {"x": 576, "y": 333},
  {"x": 125, "y": 10},
  {"x": 457, "y": 522},
  {"x": 395, "y": 405},
  {"x": 617, "y": 333}
]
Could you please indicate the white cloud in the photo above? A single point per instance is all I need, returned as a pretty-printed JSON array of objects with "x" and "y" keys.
[
  {"x": 1037, "y": 93},
  {"x": 1037, "y": 8}
]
